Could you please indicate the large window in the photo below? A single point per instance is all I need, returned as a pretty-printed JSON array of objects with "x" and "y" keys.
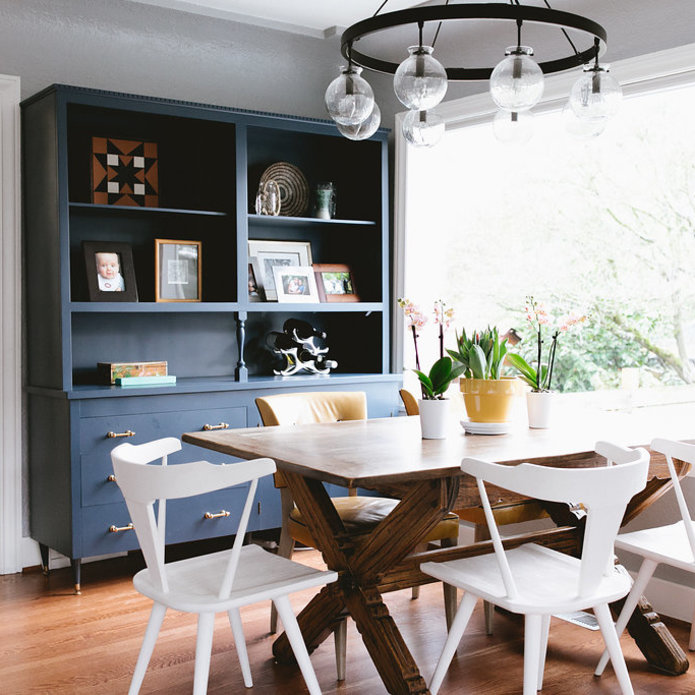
[{"x": 604, "y": 226}]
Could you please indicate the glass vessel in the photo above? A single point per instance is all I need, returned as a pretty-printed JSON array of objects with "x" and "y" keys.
[
  {"x": 349, "y": 98},
  {"x": 596, "y": 93},
  {"x": 512, "y": 127},
  {"x": 365, "y": 129},
  {"x": 325, "y": 201},
  {"x": 423, "y": 128},
  {"x": 516, "y": 83},
  {"x": 582, "y": 128},
  {"x": 420, "y": 82},
  {"x": 268, "y": 198}
]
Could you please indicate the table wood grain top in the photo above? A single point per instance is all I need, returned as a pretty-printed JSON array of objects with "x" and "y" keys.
[{"x": 369, "y": 453}]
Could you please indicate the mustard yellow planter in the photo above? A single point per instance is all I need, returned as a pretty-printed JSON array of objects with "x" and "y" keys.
[{"x": 489, "y": 400}]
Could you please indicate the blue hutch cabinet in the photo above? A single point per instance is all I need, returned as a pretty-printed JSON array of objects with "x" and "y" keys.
[{"x": 210, "y": 161}]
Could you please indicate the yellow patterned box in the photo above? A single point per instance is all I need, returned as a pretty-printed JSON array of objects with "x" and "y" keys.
[{"x": 110, "y": 371}]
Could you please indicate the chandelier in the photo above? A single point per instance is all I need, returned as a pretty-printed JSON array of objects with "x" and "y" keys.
[{"x": 516, "y": 82}]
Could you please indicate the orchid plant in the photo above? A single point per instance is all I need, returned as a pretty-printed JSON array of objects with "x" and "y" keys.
[
  {"x": 435, "y": 384},
  {"x": 540, "y": 377}
]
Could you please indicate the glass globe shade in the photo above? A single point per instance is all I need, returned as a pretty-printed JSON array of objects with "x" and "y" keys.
[
  {"x": 349, "y": 98},
  {"x": 516, "y": 83},
  {"x": 596, "y": 94},
  {"x": 365, "y": 129},
  {"x": 423, "y": 128},
  {"x": 582, "y": 128},
  {"x": 420, "y": 82},
  {"x": 512, "y": 128}
]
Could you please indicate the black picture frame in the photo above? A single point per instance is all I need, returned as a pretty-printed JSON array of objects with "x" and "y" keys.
[{"x": 97, "y": 284}]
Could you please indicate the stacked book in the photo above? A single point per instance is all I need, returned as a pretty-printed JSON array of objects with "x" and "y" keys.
[{"x": 127, "y": 374}]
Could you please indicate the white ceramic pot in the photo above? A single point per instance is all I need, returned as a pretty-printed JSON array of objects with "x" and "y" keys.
[
  {"x": 540, "y": 407},
  {"x": 434, "y": 418}
]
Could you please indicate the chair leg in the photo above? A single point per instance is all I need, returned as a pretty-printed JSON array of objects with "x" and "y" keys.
[
  {"x": 643, "y": 576},
  {"x": 294, "y": 635},
  {"x": 450, "y": 591},
  {"x": 415, "y": 590},
  {"x": 340, "y": 636},
  {"x": 285, "y": 548},
  {"x": 532, "y": 647},
  {"x": 691, "y": 643},
  {"x": 151, "y": 633},
  {"x": 240, "y": 642},
  {"x": 203, "y": 649},
  {"x": 610, "y": 637},
  {"x": 481, "y": 533},
  {"x": 545, "y": 629},
  {"x": 463, "y": 615}
]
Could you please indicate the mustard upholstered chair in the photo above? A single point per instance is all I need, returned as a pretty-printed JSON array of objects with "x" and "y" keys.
[
  {"x": 355, "y": 511},
  {"x": 516, "y": 513}
]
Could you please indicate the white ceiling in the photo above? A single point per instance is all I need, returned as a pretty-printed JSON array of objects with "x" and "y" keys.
[{"x": 320, "y": 18}]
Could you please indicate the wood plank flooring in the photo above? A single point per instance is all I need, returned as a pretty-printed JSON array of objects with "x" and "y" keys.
[{"x": 56, "y": 643}]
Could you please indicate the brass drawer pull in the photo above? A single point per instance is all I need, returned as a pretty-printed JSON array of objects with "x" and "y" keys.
[
  {"x": 221, "y": 426},
  {"x": 115, "y": 435},
  {"x": 116, "y": 529},
  {"x": 111, "y": 478},
  {"x": 210, "y": 515}
]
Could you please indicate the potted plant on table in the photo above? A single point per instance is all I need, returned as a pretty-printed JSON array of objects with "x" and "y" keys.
[
  {"x": 434, "y": 406},
  {"x": 487, "y": 394},
  {"x": 540, "y": 377}
]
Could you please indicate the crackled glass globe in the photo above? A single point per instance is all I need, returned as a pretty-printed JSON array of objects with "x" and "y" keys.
[
  {"x": 420, "y": 81},
  {"x": 596, "y": 94},
  {"x": 516, "y": 83},
  {"x": 512, "y": 127},
  {"x": 365, "y": 129},
  {"x": 349, "y": 98},
  {"x": 423, "y": 128}
]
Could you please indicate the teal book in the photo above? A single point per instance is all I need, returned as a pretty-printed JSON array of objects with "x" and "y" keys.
[{"x": 146, "y": 380}]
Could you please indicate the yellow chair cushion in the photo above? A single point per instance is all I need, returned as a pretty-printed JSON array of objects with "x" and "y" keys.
[
  {"x": 361, "y": 514},
  {"x": 509, "y": 514}
]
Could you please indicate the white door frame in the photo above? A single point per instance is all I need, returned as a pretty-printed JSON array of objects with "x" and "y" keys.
[{"x": 10, "y": 331}]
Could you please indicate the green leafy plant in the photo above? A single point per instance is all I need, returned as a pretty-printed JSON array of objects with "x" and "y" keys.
[
  {"x": 540, "y": 377},
  {"x": 481, "y": 355},
  {"x": 435, "y": 384}
]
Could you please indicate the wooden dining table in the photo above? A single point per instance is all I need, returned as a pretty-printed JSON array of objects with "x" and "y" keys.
[{"x": 390, "y": 457}]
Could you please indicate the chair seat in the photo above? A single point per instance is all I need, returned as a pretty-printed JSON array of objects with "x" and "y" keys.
[
  {"x": 195, "y": 582},
  {"x": 508, "y": 514},
  {"x": 667, "y": 544},
  {"x": 362, "y": 514},
  {"x": 542, "y": 576}
]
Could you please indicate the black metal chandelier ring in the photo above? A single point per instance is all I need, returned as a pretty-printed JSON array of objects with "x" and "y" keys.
[{"x": 539, "y": 15}]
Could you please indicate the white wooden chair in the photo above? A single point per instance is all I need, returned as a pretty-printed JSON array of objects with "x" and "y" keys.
[
  {"x": 539, "y": 582},
  {"x": 671, "y": 545},
  {"x": 208, "y": 584}
]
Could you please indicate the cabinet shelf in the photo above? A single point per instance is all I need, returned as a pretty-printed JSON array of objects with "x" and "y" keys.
[
  {"x": 279, "y": 221},
  {"x": 328, "y": 307},
  {"x": 132, "y": 209},
  {"x": 151, "y": 307}
]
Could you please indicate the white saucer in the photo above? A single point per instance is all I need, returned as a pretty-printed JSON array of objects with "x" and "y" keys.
[{"x": 486, "y": 427}]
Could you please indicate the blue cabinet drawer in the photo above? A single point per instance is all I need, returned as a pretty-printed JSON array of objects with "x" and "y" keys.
[
  {"x": 95, "y": 462},
  {"x": 94, "y": 431},
  {"x": 96, "y": 537}
]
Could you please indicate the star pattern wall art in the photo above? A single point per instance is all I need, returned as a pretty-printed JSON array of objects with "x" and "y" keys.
[{"x": 124, "y": 172}]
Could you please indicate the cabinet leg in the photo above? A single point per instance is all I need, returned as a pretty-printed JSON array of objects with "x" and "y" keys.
[
  {"x": 43, "y": 549},
  {"x": 76, "y": 565}
]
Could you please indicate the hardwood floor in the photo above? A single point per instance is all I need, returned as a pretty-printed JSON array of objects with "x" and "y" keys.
[{"x": 54, "y": 642}]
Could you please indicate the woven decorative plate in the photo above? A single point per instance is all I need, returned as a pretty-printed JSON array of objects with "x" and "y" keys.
[{"x": 294, "y": 188}]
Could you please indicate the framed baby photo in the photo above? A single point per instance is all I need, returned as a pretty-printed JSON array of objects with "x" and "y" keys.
[
  {"x": 295, "y": 283},
  {"x": 335, "y": 282},
  {"x": 177, "y": 270},
  {"x": 110, "y": 271}
]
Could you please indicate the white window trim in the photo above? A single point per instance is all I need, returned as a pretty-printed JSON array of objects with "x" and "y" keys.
[
  {"x": 10, "y": 320},
  {"x": 652, "y": 72}
]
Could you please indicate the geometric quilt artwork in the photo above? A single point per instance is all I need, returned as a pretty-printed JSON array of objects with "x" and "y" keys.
[{"x": 124, "y": 172}]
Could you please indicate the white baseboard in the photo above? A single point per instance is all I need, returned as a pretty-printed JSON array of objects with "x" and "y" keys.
[{"x": 671, "y": 599}]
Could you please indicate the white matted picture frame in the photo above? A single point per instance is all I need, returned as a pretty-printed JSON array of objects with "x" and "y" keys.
[
  {"x": 270, "y": 253},
  {"x": 295, "y": 283},
  {"x": 178, "y": 270}
]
